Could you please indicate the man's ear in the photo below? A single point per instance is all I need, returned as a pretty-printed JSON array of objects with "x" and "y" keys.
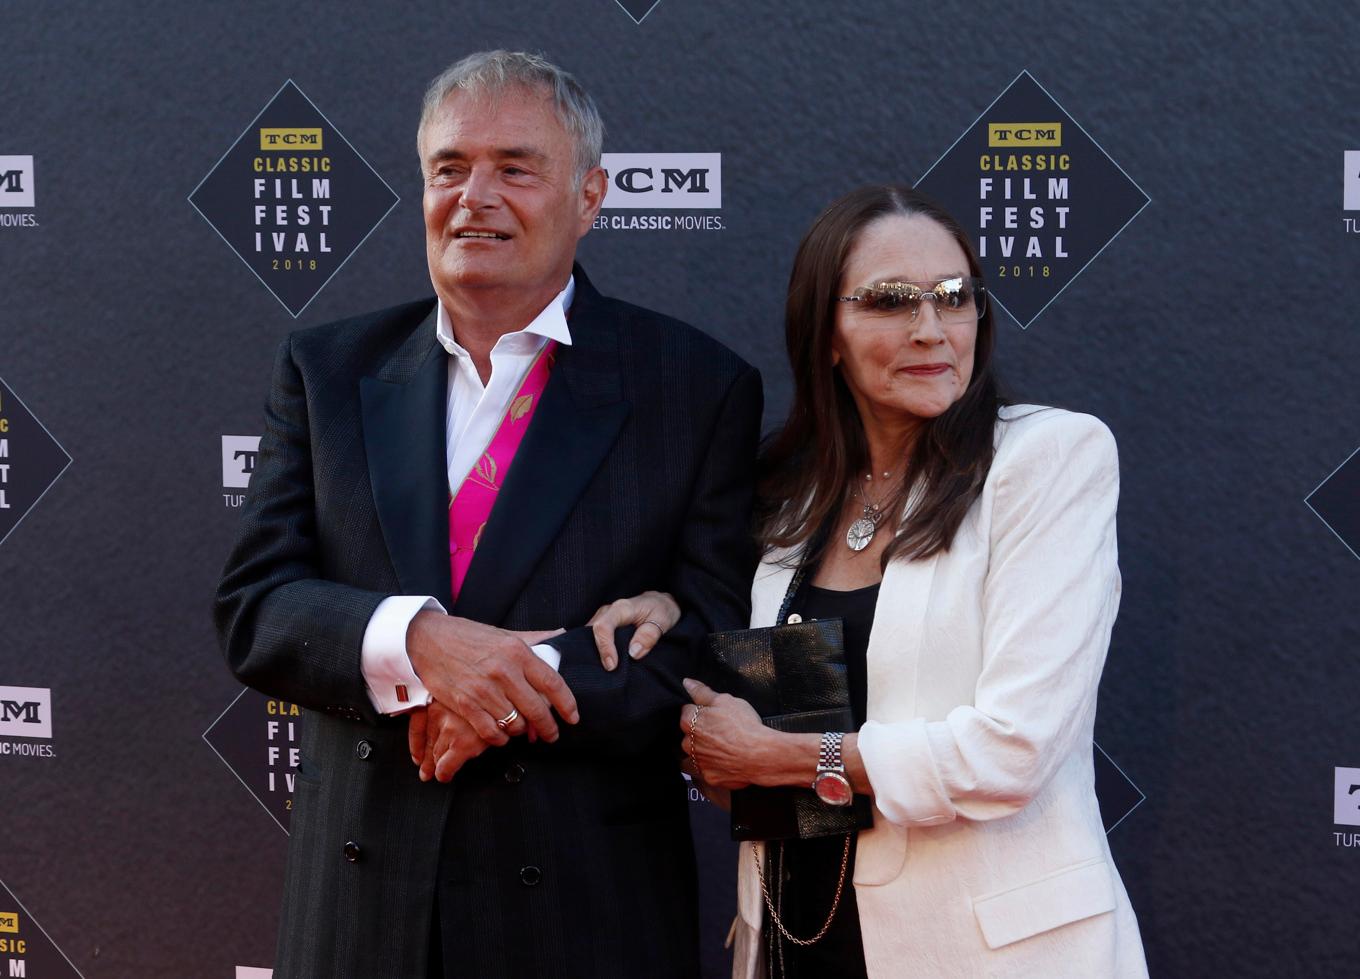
[{"x": 594, "y": 185}]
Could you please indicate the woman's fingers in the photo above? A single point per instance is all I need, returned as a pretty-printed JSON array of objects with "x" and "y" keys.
[
  {"x": 647, "y": 635},
  {"x": 653, "y": 614},
  {"x": 602, "y": 625},
  {"x": 700, "y": 693}
]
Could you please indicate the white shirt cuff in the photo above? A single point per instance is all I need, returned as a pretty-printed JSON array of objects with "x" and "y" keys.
[
  {"x": 393, "y": 686},
  {"x": 548, "y": 655}
]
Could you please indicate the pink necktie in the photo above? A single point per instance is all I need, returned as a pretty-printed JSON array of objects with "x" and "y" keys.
[{"x": 470, "y": 508}]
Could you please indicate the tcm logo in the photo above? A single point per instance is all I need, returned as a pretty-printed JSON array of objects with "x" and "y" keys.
[
  {"x": 1346, "y": 804},
  {"x": 16, "y": 181},
  {"x": 290, "y": 139},
  {"x": 1350, "y": 188},
  {"x": 9, "y": 921},
  {"x": 1008, "y": 134},
  {"x": 677, "y": 181},
  {"x": 239, "y": 453},
  {"x": 25, "y": 712}
]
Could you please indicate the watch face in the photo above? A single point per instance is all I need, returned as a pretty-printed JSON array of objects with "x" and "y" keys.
[{"x": 833, "y": 789}]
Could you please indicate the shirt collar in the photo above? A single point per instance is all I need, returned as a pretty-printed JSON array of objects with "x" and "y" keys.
[{"x": 550, "y": 323}]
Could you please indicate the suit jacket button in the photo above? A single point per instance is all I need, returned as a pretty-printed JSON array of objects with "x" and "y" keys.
[
  {"x": 352, "y": 852},
  {"x": 362, "y": 750},
  {"x": 530, "y": 876},
  {"x": 515, "y": 773}
]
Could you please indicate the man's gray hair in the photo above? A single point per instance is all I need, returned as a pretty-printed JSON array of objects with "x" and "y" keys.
[{"x": 493, "y": 72}]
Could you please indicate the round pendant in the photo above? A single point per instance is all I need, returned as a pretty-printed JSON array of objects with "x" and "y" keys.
[{"x": 859, "y": 535}]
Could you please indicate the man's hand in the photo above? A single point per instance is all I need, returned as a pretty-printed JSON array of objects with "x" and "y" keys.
[
  {"x": 441, "y": 742},
  {"x": 483, "y": 673}
]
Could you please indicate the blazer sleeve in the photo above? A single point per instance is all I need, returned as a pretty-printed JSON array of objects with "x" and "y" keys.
[
  {"x": 284, "y": 629},
  {"x": 1049, "y": 601},
  {"x": 625, "y": 710}
]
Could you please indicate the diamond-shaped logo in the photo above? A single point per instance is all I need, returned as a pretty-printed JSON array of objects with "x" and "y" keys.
[
  {"x": 1336, "y": 501},
  {"x": 638, "y": 9},
  {"x": 293, "y": 198},
  {"x": 1038, "y": 194},
  {"x": 257, "y": 737},
  {"x": 1117, "y": 794},
  {"x": 28, "y": 949},
  {"x": 31, "y": 460}
]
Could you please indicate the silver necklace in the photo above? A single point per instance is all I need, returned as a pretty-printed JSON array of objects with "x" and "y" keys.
[{"x": 861, "y": 532}]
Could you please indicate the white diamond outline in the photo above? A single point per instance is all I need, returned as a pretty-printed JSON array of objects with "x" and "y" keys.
[
  {"x": 638, "y": 20},
  {"x": 33, "y": 918},
  {"x": 13, "y": 394},
  {"x": 969, "y": 128},
  {"x": 1142, "y": 796},
  {"x": 1320, "y": 516},
  {"x": 204, "y": 736},
  {"x": 250, "y": 125}
]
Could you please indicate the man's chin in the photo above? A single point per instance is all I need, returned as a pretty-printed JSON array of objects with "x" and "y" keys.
[{"x": 472, "y": 276}]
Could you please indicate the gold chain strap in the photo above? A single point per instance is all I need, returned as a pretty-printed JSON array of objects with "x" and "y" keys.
[{"x": 835, "y": 904}]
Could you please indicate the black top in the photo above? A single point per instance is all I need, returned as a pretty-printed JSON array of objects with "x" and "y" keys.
[{"x": 809, "y": 869}]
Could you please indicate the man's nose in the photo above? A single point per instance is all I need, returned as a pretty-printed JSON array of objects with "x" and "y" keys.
[{"x": 479, "y": 190}]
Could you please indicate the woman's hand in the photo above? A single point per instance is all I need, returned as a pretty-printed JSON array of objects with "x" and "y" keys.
[
  {"x": 654, "y": 613},
  {"x": 724, "y": 738}
]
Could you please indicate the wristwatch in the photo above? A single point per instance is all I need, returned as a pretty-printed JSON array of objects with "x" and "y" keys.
[{"x": 830, "y": 783}]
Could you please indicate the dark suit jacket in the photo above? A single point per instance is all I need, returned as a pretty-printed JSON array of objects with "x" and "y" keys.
[{"x": 571, "y": 859}]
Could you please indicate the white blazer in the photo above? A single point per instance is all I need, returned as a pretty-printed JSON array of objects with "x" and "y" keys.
[{"x": 987, "y": 857}]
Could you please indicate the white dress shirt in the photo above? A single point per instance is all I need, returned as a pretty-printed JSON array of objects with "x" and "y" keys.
[{"x": 473, "y": 417}]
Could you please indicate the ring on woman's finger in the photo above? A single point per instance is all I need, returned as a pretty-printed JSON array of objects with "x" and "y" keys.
[{"x": 508, "y": 719}]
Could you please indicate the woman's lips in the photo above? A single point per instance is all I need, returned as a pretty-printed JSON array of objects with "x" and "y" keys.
[{"x": 926, "y": 370}]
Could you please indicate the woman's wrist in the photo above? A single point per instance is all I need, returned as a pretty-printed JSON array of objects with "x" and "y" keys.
[{"x": 780, "y": 758}]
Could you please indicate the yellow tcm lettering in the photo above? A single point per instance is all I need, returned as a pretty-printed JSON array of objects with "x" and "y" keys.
[
  {"x": 290, "y": 139},
  {"x": 1024, "y": 134},
  {"x": 282, "y": 708},
  {"x": 9, "y": 921}
]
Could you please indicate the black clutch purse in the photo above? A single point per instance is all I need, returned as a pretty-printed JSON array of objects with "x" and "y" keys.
[{"x": 793, "y": 674}]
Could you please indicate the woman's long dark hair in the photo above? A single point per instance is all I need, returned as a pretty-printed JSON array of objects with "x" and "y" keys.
[{"x": 808, "y": 468}]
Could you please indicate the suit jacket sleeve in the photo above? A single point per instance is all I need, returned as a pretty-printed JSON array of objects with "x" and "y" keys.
[
  {"x": 284, "y": 629},
  {"x": 626, "y": 710},
  {"x": 1048, "y": 606}
]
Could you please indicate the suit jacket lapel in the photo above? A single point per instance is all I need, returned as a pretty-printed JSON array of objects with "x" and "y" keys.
[
  {"x": 404, "y": 410},
  {"x": 896, "y": 637},
  {"x": 578, "y": 420}
]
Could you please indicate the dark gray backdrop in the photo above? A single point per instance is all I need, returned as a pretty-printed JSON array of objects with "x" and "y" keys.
[{"x": 1214, "y": 336}]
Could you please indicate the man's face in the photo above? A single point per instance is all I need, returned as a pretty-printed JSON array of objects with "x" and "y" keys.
[{"x": 502, "y": 209}]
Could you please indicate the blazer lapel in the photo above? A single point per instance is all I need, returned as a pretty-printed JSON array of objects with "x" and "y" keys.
[
  {"x": 404, "y": 409},
  {"x": 574, "y": 427},
  {"x": 771, "y": 585},
  {"x": 896, "y": 636}
]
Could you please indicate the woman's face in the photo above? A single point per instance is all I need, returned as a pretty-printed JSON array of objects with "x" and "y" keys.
[{"x": 894, "y": 364}]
